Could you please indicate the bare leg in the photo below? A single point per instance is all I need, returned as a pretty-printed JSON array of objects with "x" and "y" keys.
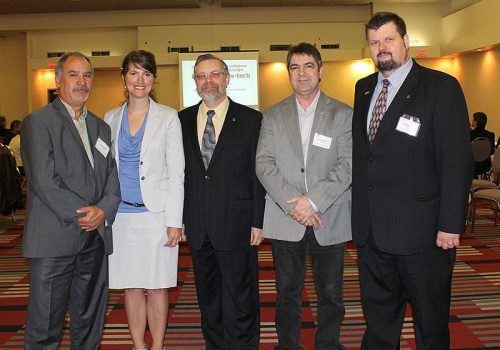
[
  {"x": 135, "y": 309},
  {"x": 157, "y": 313}
]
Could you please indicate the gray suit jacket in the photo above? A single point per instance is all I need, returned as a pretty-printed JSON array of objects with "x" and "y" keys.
[
  {"x": 282, "y": 172},
  {"x": 61, "y": 179}
]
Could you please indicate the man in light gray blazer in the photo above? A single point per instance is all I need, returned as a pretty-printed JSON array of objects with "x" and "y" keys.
[
  {"x": 304, "y": 163},
  {"x": 73, "y": 195}
]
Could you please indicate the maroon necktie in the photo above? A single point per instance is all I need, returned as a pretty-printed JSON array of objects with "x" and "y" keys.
[{"x": 378, "y": 111}]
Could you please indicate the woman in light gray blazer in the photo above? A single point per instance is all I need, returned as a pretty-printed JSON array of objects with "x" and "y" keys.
[{"x": 147, "y": 143}]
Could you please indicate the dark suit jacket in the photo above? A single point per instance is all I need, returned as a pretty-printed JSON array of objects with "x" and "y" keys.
[
  {"x": 61, "y": 179},
  {"x": 407, "y": 188},
  {"x": 227, "y": 199}
]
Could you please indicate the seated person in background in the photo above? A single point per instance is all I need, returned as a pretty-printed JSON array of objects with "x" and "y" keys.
[
  {"x": 479, "y": 123},
  {"x": 15, "y": 147},
  {"x": 15, "y": 129},
  {"x": 3, "y": 130}
]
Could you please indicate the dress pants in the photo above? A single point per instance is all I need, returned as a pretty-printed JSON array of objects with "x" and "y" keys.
[
  {"x": 387, "y": 281},
  {"x": 227, "y": 286},
  {"x": 79, "y": 281},
  {"x": 290, "y": 259}
]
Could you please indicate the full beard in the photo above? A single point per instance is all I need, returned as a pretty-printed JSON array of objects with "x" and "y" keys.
[
  {"x": 212, "y": 96},
  {"x": 387, "y": 65}
]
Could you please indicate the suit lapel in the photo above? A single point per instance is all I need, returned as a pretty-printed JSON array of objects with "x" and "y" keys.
[
  {"x": 71, "y": 127},
  {"x": 93, "y": 136},
  {"x": 152, "y": 124},
  {"x": 321, "y": 116},
  {"x": 290, "y": 118},
  {"x": 364, "y": 104},
  {"x": 398, "y": 104},
  {"x": 192, "y": 131},
  {"x": 115, "y": 123}
]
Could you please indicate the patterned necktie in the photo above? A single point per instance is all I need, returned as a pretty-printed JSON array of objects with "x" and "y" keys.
[
  {"x": 208, "y": 140},
  {"x": 378, "y": 111}
]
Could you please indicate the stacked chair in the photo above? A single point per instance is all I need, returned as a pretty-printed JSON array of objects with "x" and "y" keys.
[{"x": 487, "y": 191}]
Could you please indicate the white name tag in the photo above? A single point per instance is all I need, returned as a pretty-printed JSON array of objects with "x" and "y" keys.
[
  {"x": 101, "y": 146},
  {"x": 408, "y": 125},
  {"x": 322, "y": 141}
]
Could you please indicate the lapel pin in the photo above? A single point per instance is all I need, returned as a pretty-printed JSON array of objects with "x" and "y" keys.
[
  {"x": 367, "y": 92},
  {"x": 408, "y": 96},
  {"x": 234, "y": 119}
]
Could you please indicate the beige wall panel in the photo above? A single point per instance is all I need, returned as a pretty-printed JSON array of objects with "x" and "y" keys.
[
  {"x": 119, "y": 42},
  {"x": 107, "y": 92},
  {"x": 274, "y": 85},
  {"x": 157, "y": 39},
  {"x": 479, "y": 75},
  {"x": 42, "y": 80},
  {"x": 14, "y": 81},
  {"x": 423, "y": 20},
  {"x": 168, "y": 87},
  {"x": 207, "y": 14},
  {"x": 474, "y": 27},
  {"x": 250, "y": 36}
]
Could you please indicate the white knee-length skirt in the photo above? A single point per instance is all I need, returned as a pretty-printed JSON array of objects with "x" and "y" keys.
[{"x": 139, "y": 259}]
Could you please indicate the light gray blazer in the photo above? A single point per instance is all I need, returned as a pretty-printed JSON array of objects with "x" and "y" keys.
[
  {"x": 282, "y": 172},
  {"x": 162, "y": 163},
  {"x": 61, "y": 179}
]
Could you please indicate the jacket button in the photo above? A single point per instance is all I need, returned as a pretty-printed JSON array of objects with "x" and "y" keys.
[
  {"x": 370, "y": 188},
  {"x": 207, "y": 177},
  {"x": 302, "y": 170},
  {"x": 370, "y": 160},
  {"x": 143, "y": 177}
]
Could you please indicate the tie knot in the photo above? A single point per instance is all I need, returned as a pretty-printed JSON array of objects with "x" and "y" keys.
[
  {"x": 385, "y": 83},
  {"x": 210, "y": 113}
]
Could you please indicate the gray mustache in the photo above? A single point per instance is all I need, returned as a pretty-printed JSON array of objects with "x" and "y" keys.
[{"x": 83, "y": 88}]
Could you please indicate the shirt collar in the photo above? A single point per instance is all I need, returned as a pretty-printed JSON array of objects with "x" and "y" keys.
[
  {"x": 313, "y": 104},
  {"x": 72, "y": 113},
  {"x": 220, "y": 110},
  {"x": 399, "y": 75}
]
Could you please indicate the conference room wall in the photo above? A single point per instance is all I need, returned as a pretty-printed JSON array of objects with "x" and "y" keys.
[
  {"x": 14, "y": 78},
  {"x": 479, "y": 74}
]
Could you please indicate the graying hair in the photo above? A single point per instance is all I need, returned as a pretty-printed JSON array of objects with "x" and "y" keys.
[{"x": 64, "y": 58}]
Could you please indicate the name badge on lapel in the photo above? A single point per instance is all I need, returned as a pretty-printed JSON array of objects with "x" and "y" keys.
[
  {"x": 409, "y": 125},
  {"x": 322, "y": 141},
  {"x": 101, "y": 146}
]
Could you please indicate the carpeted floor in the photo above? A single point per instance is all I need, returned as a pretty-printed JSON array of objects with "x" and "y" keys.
[{"x": 475, "y": 306}]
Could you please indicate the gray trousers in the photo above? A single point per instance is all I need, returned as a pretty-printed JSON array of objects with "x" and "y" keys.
[{"x": 79, "y": 281}]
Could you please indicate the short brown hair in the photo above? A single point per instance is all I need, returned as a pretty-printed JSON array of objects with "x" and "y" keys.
[{"x": 381, "y": 18}]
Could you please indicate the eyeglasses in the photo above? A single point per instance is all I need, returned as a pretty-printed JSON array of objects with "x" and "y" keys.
[{"x": 204, "y": 76}]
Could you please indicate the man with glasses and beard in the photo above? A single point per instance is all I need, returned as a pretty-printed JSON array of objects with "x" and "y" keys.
[
  {"x": 223, "y": 208},
  {"x": 412, "y": 171}
]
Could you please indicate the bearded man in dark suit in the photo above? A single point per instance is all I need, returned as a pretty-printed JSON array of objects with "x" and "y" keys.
[
  {"x": 223, "y": 208},
  {"x": 412, "y": 171}
]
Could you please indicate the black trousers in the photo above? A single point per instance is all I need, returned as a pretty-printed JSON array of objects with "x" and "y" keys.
[
  {"x": 79, "y": 281},
  {"x": 227, "y": 285},
  {"x": 387, "y": 281}
]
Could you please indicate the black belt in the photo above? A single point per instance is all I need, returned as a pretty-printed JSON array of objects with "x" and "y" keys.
[{"x": 134, "y": 204}]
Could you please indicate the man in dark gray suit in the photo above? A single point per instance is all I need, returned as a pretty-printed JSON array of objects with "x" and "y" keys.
[
  {"x": 73, "y": 195},
  {"x": 304, "y": 163}
]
